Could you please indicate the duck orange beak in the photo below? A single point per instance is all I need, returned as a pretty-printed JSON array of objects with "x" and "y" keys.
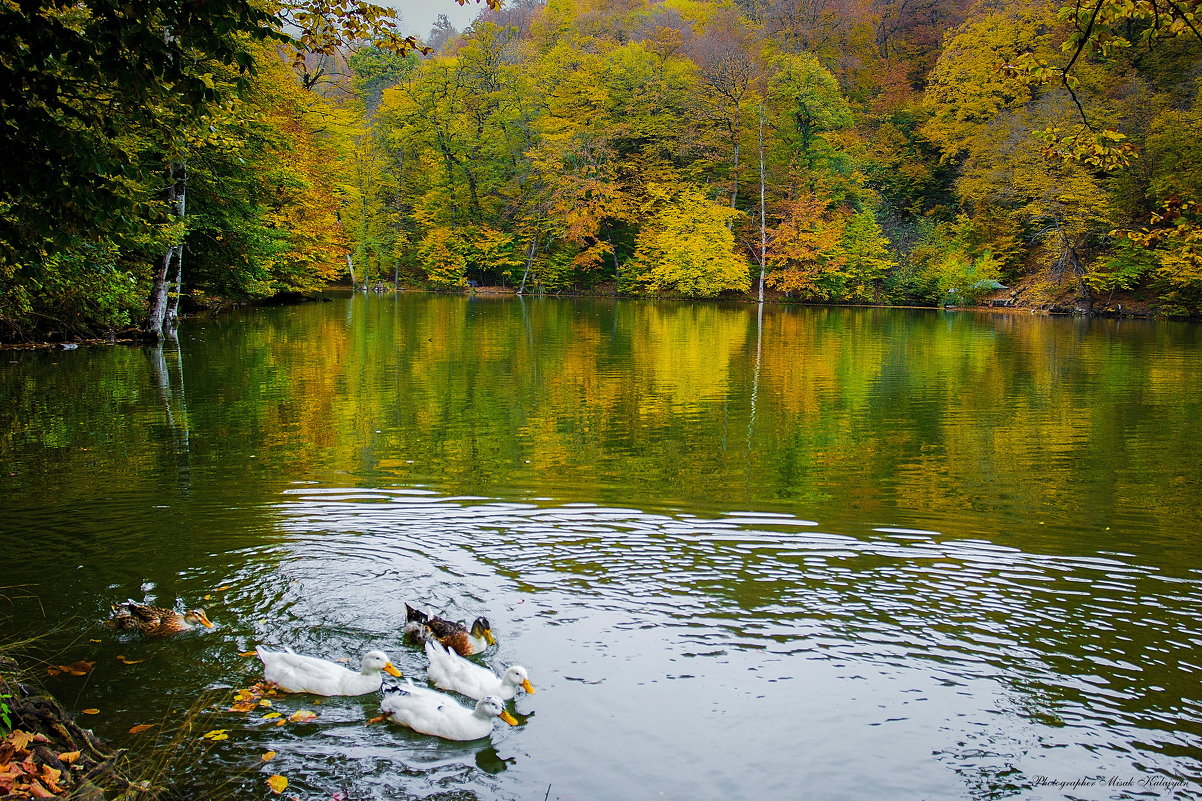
[
  {"x": 392, "y": 671},
  {"x": 528, "y": 687},
  {"x": 488, "y": 638},
  {"x": 204, "y": 620},
  {"x": 508, "y": 718}
]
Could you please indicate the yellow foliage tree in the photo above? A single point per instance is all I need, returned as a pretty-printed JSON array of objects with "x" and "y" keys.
[{"x": 685, "y": 247}]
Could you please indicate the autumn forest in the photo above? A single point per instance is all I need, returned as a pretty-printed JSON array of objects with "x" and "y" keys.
[{"x": 898, "y": 152}]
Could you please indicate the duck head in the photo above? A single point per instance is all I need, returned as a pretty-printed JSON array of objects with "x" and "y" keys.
[
  {"x": 375, "y": 661},
  {"x": 518, "y": 677},
  {"x": 491, "y": 706},
  {"x": 481, "y": 628},
  {"x": 195, "y": 616}
]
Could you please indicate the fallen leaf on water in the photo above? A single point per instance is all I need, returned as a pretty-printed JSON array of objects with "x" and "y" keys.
[
  {"x": 223, "y": 589},
  {"x": 141, "y": 727},
  {"x": 69, "y": 757},
  {"x": 208, "y": 597},
  {"x": 216, "y": 734},
  {"x": 281, "y": 722},
  {"x": 90, "y": 711},
  {"x": 271, "y": 715},
  {"x": 268, "y": 756},
  {"x": 302, "y": 716},
  {"x": 80, "y": 668},
  {"x": 127, "y": 661},
  {"x": 93, "y": 640},
  {"x": 277, "y": 783},
  {"x": 264, "y": 702}
]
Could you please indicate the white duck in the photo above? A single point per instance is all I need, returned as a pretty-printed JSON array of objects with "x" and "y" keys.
[
  {"x": 295, "y": 673},
  {"x": 449, "y": 671},
  {"x": 431, "y": 712}
]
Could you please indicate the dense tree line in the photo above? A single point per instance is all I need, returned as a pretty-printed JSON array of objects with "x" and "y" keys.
[{"x": 886, "y": 151}]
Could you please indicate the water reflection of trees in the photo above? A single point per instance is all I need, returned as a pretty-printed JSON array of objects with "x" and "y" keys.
[{"x": 884, "y": 414}]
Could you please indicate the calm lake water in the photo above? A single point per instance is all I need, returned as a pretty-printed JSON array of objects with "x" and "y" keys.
[{"x": 823, "y": 554}]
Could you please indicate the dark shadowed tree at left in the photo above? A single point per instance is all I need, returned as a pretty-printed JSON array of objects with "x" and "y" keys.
[{"x": 101, "y": 104}]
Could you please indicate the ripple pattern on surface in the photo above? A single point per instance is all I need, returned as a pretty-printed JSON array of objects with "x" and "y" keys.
[{"x": 1069, "y": 643}]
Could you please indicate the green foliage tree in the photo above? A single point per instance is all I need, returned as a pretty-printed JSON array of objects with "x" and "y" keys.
[{"x": 809, "y": 108}]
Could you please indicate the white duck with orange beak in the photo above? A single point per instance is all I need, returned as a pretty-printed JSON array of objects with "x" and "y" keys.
[{"x": 294, "y": 673}]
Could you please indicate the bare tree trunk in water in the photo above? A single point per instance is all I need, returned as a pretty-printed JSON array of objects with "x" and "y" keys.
[
  {"x": 763, "y": 213},
  {"x": 529, "y": 261},
  {"x": 174, "y": 290},
  {"x": 157, "y": 316},
  {"x": 175, "y": 287}
]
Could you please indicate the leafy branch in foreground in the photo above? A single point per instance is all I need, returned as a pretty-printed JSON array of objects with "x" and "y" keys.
[{"x": 1101, "y": 28}]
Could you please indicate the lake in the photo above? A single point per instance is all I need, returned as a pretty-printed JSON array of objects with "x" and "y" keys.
[{"x": 789, "y": 553}]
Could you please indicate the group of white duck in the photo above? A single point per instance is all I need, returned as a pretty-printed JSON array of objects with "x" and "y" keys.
[{"x": 428, "y": 711}]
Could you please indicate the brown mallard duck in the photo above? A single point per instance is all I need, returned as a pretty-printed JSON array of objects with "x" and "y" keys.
[
  {"x": 154, "y": 620},
  {"x": 420, "y": 627}
]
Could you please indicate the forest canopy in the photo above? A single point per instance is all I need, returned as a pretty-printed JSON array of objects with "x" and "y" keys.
[{"x": 879, "y": 151}]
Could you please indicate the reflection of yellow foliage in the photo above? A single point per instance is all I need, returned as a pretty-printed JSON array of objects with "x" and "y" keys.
[{"x": 686, "y": 349}]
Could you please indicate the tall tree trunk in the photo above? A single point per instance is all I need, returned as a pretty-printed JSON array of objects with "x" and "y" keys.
[
  {"x": 763, "y": 212},
  {"x": 734, "y": 193},
  {"x": 174, "y": 290},
  {"x": 175, "y": 287},
  {"x": 529, "y": 261},
  {"x": 157, "y": 318}
]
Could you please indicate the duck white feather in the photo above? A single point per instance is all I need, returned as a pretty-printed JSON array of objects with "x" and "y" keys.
[
  {"x": 295, "y": 673},
  {"x": 450, "y": 671},
  {"x": 431, "y": 712}
]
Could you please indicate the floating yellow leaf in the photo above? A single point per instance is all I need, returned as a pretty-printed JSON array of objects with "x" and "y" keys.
[
  {"x": 222, "y": 589},
  {"x": 141, "y": 727},
  {"x": 126, "y": 661},
  {"x": 90, "y": 711},
  {"x": 302, "y": 716},
  {"x": 79, "y": 668},
  {"x": 208, "y": 597},
  {"x": 271, "y": 715},
  {"x": 216, "y": 734},
  {"x": 268, "y": 756},
  {"x": 277, "y": 783},
  {"x": 281, "y": 722},
  {"x": 264, "y": 702}
]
